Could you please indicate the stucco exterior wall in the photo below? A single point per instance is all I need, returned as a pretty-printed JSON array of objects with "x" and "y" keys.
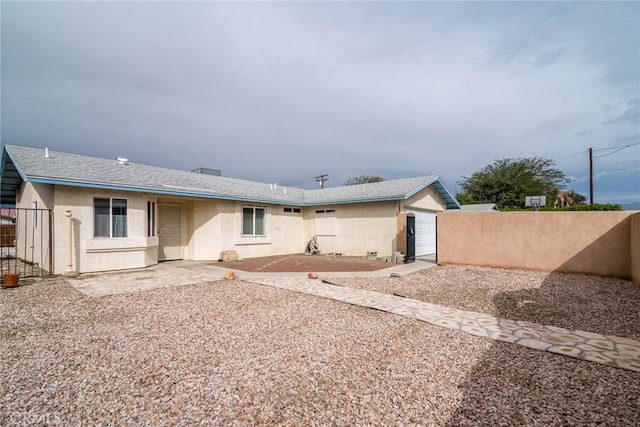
[
  {"x": 359, "y": 228},
  {"x": 576, "y": 242},
  {"x": 203, "y": 230},
  {"x": 211, "y": 226},
  {"x": 216, "y": 225},
  {"x": 32, "y": 228},
  {"x": 29, "y": 192},
  {"x": 91, "y": 254},
  {"x": 427, "y": 199},
  {"x": 635, "y": 247}
]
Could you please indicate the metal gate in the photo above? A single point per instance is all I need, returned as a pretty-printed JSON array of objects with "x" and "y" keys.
[
  {"x": 411, "y": 239},
  {"x": 26, "y": 242}
]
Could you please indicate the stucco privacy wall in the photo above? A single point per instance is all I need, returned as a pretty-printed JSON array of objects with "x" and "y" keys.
[
  {"x": 579, "y": 242},
  {"x": 635, "y": 248}
]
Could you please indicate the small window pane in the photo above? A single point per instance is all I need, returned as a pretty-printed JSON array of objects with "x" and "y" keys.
[
  {"x": 119, "y": 217},
  {"x": 259, "y": 222},
  {"x": 247, "y": 221},
  {"x": 151, "y": 219},
  {"x": 101, "y": 218}
]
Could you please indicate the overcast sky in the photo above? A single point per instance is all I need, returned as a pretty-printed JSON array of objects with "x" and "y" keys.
[{"x": 282, "y": 92}]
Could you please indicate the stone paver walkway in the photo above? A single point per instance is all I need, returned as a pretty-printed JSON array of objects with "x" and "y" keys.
[{"x": 612, "y": 351}]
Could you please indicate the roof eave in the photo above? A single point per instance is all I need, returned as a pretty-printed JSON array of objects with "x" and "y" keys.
[
  {"x": 348, "y": 201},
  {"x": 152, "y": 190}
]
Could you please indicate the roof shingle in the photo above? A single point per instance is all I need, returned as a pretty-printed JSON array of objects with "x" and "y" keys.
[{"x": 72, "y": 169}]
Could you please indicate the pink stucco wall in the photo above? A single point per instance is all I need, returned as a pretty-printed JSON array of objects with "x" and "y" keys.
[
  {"x": 577, "y": 242},
  {"x": 635, "y": 248}
]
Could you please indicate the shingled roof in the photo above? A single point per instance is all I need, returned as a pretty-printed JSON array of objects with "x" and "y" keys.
[{"x": 31, "y": 164}]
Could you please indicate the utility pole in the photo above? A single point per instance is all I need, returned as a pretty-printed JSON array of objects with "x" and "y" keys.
[
  {"x": 590, "y": 175},
  {"x": 321, "y": 179}
]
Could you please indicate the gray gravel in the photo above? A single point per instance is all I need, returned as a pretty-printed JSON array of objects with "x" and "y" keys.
[{"x": 235, "y": 353}]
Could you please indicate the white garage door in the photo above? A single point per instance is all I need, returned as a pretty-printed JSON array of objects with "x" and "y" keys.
[{"x": 425, "y": 232}]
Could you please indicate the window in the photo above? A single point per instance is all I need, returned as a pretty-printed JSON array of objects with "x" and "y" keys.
[
  {"x": 151, "y": 219},
  {"x": 292, "y": 210},
  {"x": 321, "y": 211},
  {"x": 109, "y": 217},
  {"x": 253, "y": 221}
]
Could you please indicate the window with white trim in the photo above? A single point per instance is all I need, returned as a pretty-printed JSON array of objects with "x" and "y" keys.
[
  {"x": 109, "y": 217},
  {"x": 253, "y": 221},
  {"x": 151, "y": 219}
]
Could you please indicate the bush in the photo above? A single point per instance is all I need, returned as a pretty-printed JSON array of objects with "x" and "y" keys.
[{"x": 575, "y": 208}]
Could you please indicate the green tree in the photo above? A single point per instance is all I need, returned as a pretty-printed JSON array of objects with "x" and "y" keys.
[
  {"x": 363, "y": 179},
  {"x": 578, "y": 199},
  {"x": 508, "y": 181}
]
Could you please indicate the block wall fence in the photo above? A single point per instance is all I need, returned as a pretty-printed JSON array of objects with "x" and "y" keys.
[{"x": 603, "y": 243}]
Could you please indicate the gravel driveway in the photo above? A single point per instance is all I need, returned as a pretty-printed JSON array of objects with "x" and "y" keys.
[{"x": 235, "y": 353}]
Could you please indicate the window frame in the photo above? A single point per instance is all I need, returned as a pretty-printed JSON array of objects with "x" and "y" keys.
[
  {"x": 152, "y": 209},
  {"x": 111, "y": 217},
  {"x": 291, "y": 210},
  {"x": 253, "y": 223}
]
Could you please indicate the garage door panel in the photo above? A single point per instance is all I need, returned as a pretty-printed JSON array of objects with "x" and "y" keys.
[{"x": 425, "y": 231}]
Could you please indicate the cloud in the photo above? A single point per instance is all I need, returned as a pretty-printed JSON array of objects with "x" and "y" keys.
[{"x": 281, "y": 92}]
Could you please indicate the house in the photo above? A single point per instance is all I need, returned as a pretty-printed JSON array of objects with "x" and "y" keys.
[{"x": 113, "y": 214}]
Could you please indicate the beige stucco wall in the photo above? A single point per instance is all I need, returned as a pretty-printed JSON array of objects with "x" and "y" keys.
[
  {"x": 284, "y": 231},
  {"x": 101, "y": 254},
  {"x": 427, "y": 199},
  {"x": 359, "y": 227},
  {"x": 583, "y": 242},
  {"x": 32, "y": 228},
  {"x": 211, "y": 226},
  {"x": 29, "y": 192},
  {"x": 635, "y": 247},
  {"x": 203, "y": 230}
]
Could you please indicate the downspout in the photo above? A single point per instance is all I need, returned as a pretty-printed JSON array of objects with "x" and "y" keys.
[{"x": 69, "y": 272}]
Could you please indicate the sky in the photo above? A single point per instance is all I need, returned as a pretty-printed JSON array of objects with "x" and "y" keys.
[{"x": 281, "y": 92}]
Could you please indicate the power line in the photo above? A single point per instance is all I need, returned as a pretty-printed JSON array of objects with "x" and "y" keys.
[
  {"x": 618, "y": 146},
  {"x": 571, "y": 155},
  {"x": 591, "y": 157},
  {"x": 613, "y": 152}
]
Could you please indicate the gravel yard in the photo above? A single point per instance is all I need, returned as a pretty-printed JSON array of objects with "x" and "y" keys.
[
  {"x": 236, "y": 353},
  {"x": 573, "y": 301}
]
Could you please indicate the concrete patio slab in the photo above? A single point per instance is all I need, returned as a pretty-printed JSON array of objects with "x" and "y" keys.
[{"x": 180, "y": 273}]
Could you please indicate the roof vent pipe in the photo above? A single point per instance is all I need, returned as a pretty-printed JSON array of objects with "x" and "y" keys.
[{"x": 46, "y": 152}]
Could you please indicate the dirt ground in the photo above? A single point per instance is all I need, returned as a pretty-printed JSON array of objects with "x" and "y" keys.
[{"x": 303, "y": 263}]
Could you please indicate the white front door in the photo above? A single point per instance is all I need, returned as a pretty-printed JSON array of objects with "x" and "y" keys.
[
  {"x": 425, "y": 231},
  {"x": 169, "y": 232}
]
